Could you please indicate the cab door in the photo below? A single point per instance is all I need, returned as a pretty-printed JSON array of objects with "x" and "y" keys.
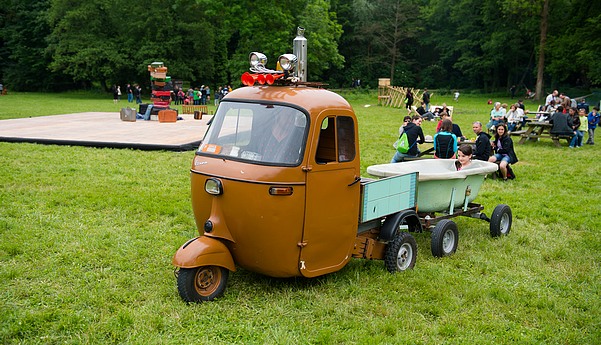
[{"x": 332, "y": 196}]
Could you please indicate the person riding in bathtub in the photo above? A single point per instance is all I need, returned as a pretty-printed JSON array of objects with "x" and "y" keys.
[{"x": 464, "y": 156}]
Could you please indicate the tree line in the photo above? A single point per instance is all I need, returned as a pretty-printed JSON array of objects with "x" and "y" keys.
[{"x": 57, "y": 45}]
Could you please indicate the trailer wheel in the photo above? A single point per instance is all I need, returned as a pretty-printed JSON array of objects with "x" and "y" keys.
[
  {"x": 444, "y": 238},
  {"x": 500, "y": 220},
  {"x": 401, "y": 253},
  {"x": 203, "y": 283}
]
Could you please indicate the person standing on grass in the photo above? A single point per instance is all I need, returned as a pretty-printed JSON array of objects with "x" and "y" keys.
[
  {"x": 582, "y": 105},
  {"x": 426, "y": 99},
  {"x": 203, "y": 95},
  {"x": 115, "y": 94},
  {"x": 130, "y": 93},
  {"x": 483, "y": 146},
  {"x": 409, "y": 100},
  {"x": 138, "y": 94},
  {"x": 503, "y": 148},
  {"x": 217, "y": 96},
  {"x": 593, "y": 121}
]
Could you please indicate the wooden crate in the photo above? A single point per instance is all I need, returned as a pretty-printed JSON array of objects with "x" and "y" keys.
[
  {"x": 167, "y": 116},
  {"x": 384, "y": 82}
]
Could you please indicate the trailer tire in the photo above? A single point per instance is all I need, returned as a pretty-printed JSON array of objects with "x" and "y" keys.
[
  {"x": 500, "y": 220},
  {"x": 444, "y": 238},
  {"x": 201, "y": 284},
  {"x": 400, "y": 253}
]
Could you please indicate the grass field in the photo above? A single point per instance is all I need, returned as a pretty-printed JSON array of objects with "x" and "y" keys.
[{"x": 87, "y": 236}]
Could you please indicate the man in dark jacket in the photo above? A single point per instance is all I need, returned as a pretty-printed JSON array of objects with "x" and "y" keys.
[
  {"x": 426, "y": 115},
  {"x": 415, "y": 135},
  {"x": 483, "y": 147},
  {"x": 562, "y": 125}
]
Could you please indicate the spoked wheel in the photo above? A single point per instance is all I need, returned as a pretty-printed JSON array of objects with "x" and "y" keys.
[
  {"x": 401, "y": 253},
  {"x": 444, "y": 238},
  {"x": 203, "y": 283},
  {"x": 500, "y": 221}
]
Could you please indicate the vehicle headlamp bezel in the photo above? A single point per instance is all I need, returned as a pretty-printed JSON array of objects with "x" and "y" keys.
[
  {"x": 288, "y": 62},
  {"x": 213, "y": 186},
  {"x": 257, "y": 59}
]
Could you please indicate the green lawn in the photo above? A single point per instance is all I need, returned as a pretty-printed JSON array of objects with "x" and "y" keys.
[{"x": 87, "y": 236}]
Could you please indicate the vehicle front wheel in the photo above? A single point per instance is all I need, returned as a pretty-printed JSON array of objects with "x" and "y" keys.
[
  {"x": 401, "y": 253},
  {"x": 203, "y": 283},
  {"x": 500, "y": 220},
  {"x": 444, "y": 238}
]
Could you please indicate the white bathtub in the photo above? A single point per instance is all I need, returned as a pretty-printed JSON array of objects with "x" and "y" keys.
[{"x": 440, "y": 186}]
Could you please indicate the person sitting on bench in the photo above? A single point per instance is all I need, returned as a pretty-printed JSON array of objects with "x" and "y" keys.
[
  {"x": 562, "y": 125},
  {"x": 445, "y": 142}
]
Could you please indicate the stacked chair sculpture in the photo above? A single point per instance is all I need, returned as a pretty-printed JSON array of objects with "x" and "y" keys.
[{"x": 161, "y": 92}]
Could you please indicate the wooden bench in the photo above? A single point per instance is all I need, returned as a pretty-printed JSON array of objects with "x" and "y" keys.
[
  {"x": 542, "y": 130},
  {"x": 190, "y": 109},
  {"x": 556, "y": 139},
  {"x": 518, "y": 133}
]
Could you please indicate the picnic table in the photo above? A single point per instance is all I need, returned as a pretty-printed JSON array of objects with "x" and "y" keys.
[{"x": 541, "y": 129}]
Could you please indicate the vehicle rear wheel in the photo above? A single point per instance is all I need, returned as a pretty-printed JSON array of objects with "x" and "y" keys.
[
  {"x": 203, "y": 283},
  {"x": 444, "y": 238},
  {"x": 500, "y": 220},
  {"x": 401, "y": 253}
]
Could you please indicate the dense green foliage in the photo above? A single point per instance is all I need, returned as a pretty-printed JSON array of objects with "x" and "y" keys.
[
  {"x": 87, "y": 236},
  {"x": 483, "y": 44}
]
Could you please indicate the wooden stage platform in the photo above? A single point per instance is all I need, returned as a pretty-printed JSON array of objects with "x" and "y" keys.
[{"x": 102, "y": 129}]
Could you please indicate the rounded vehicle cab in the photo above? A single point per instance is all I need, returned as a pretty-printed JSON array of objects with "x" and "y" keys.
[{"x": 275, "y": 178}]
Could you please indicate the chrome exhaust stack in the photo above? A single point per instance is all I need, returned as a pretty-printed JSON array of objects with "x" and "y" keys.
[{"x": 299, "y": 49}]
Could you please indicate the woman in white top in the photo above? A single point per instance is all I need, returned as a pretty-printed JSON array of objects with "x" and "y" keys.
[{"x": 515, "y": 116}]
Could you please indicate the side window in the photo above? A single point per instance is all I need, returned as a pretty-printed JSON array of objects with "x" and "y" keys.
[
  {"x": 336, "y": 130},
  {"x": 326, "y": 146},
  {"x": 346, "y": 138}
]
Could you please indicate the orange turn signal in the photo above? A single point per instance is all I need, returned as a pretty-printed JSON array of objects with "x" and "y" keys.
[{"x": 280, "y": 190}]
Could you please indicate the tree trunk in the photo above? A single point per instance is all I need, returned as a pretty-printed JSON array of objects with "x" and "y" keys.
[{"x": 541, "y": 51}]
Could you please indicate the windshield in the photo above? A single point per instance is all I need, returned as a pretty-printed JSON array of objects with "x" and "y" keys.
[{"x": 266, "y": 133}]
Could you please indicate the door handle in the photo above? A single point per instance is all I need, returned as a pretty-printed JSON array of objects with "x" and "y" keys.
[{"x": 357, "y": 179}]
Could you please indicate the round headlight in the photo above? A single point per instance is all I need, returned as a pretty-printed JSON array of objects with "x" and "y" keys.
[
  {"x": 257, "y": 59},
  {"x": 287, "y": 61}
]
